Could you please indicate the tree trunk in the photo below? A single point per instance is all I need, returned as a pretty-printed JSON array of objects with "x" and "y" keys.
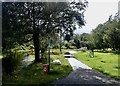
[
  {"x": 36, "y": 45},
  {"x": 60, "y": 49},
  {"x": 35, "y": 37}
]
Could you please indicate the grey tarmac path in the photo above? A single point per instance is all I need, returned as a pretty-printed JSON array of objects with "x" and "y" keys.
[
  {"x": 87, "y": 76},
  {"x": 0, "y": 72}
]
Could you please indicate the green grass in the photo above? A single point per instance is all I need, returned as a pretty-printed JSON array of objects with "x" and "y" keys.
[
  {"x": 0, "y": 56},
  {"x": 33, "y": 74},
  {"x": 106, "y": 63}
]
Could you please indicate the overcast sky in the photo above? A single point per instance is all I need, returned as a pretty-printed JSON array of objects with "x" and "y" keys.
[{"x": 98, "y": 11}]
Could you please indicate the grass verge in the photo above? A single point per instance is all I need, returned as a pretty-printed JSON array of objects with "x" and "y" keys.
[
  {"x": 33, "y": 74},
  {"x": 106, "y": 63},
  {"x": 0, "y": 56}
]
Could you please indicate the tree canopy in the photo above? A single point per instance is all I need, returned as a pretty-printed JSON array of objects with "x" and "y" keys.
[
  {"x": 106, "y": 35},
  {"x": 38, "y": 19}
]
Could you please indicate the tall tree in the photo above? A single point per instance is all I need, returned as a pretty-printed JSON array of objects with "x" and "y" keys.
[
  {"x": 39, "y": 18},
  {"x": 112, "y": 35},
  {"x": 98, "y": 33}
]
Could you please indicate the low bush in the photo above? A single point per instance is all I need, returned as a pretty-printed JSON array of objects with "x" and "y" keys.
[
  {"x": 83, "y": 49},
  {"x": 67, "y": 45},
  {"x": 56, "y": 46},
  {"x": 10, "y": 61}
]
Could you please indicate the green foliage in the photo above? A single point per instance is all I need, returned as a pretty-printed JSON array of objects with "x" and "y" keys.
[
  {"x": 26, "y": 21},
  {"x": 104, "y": 36},
  {"x": 11, "y": 61},
  {"x": 77, "y": 43},
  {"x": 68, "y": 37},
  {"x": 56, "y": 46},
  {"x": 83, "y": 49},
  {"x": 67, "y": 45},
  {"x": 97, "y": 35},
  {"x": 84, "y": 40},
  {"x": 107, "y": 35},
  {"x": 55, "y": 51},
  {"x": 103, "y": 61},
  {"x": 112, "y": 35}
]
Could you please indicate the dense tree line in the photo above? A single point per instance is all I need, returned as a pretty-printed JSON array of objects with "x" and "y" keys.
[{"x": 106, "y": 35}]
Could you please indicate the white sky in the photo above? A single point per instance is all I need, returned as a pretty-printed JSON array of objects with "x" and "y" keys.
[{"x": 98, "y": 11}]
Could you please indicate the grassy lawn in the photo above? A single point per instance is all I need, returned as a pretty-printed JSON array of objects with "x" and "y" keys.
[
  {"x": 33, "y": 74},
  {"x": 106, "y": 63}
]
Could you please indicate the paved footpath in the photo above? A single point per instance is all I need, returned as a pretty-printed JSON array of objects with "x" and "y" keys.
[
  {"x": 84, "y": 75},
  {"x": 0, "y": 72},
  {"x": 77, "y": 64}
]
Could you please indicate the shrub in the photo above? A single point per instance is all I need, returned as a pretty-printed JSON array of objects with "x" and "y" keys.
[
  {"x": 56, "y": 46},
  {"x": 67, "y": 45},
  {"x": 72, "y": 47},
  {"x": 83, "y": 49},
  {"x": 11, "y": 61}
]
